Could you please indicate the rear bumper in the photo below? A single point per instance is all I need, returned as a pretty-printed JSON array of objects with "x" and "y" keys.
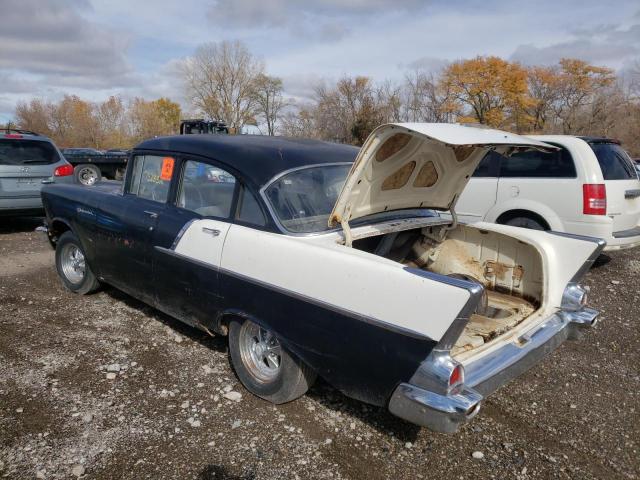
[
  {"x": 21, "y": 205},
  {"x": 602, "y": 227},
  {"x": 445, "y": 413},
  {"x": 624, "y": 239}
]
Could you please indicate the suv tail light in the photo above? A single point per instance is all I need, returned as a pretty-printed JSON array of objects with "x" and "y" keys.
[
  {"x": 63, "y": 171},
  {"x": 594, "y": 199}
]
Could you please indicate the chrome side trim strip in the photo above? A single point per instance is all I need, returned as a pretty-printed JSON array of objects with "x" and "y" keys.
[{"x": 181, "y": 232}]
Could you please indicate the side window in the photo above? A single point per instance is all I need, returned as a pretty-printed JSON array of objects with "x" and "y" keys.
[
  {"x": 249, "y": 210},
  {"x": 484, "y": 167},
  {"x": 206, "y": 190},
  {"x": 151, "y": 177},
  {"x": 535, "y": 164}
]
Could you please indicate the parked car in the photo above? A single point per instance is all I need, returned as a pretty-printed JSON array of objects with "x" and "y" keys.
[
  {"x": 92, "y": 165},
  {"x": 588, "y": 187},
  {"x": 320, "y": 259},
  {"x": 27, "y": 161}
]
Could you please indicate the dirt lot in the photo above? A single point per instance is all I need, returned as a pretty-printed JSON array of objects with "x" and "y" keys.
[{"x": 164, "y": 413}]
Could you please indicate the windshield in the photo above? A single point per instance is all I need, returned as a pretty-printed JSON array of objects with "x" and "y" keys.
[
  {"x": 303, "y": 199},
  {"x": 614, "y": 161},
  {"x": 27, "y": 152}
]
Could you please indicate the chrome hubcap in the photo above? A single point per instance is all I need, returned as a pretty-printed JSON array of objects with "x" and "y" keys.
[
  {"x": 72, "y": 262},
  {"x": 260, "y": 351},
  {"x": 87, "y": 176}
]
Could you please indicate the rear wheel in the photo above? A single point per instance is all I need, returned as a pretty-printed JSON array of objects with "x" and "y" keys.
[
  {"x": 72, "y": 266},
  {"x": 525, "y": 222},
  {"x": 87, "y": 174},
  {"x": 263, "y": 364}
]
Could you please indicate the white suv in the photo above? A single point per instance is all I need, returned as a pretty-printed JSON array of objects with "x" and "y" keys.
[{"x": 589, "y": 187}]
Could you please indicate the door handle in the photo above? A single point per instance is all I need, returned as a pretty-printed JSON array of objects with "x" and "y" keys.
[
  {"x": 151, "y": 214},
  {"x": 46, "y": 181},
  {"x": 211, "y": 231}
]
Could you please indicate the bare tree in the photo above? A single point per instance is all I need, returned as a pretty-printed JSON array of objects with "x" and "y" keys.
[
  {"x": 269, "y": 100},
  {"x": 220, "y": 80},
  {"x": 427, "y": 99}
]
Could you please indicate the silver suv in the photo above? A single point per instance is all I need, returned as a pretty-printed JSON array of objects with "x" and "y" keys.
[{"x": 27, "y": 161}]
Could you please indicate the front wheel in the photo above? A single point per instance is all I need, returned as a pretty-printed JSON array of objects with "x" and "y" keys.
[
  {"x": 263, "y": 364},
  {"x": 72, "y": 266}
]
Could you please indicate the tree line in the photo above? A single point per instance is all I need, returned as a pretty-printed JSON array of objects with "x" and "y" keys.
[
  {"x": 73, "y": 122},
  {"x": 225, "y": 81}
]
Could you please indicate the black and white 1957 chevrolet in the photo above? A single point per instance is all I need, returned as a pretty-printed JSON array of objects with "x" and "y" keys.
[{"x": 322, "y": 259}]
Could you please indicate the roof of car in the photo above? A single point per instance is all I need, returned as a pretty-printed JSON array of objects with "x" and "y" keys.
[
  {"x": 257, "y": 157},
  {"x": 590, "y": 139}
]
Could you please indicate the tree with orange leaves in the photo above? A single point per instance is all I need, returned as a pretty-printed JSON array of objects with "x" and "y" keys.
[{"x": 492, "y": 90}]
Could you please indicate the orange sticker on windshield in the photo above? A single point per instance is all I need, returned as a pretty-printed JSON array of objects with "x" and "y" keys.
[{"x": 167, "y": 169}]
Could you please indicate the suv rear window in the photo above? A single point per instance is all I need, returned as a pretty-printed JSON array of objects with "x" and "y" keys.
[
  {"x": 614, "y": 161},
  {"x": 536, "y": 164},
  {"x": 27, "y": 152}
]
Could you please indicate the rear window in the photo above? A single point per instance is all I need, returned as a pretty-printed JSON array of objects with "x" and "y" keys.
[
  {"x": 27, "y": 152},
  {"x": 535, "y": 164},
  {"x": 614, "y": 162}
]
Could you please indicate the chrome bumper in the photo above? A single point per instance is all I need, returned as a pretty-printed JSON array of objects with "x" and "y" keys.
[{"x": 445, "y": 413}]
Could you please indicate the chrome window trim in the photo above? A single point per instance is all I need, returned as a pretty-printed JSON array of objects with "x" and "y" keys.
[{"x": 272, "y": 212}]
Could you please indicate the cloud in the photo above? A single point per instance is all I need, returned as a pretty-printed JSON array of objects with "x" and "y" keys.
[
  {"x": 319, "y": 19},
  {"x": 606, "y": 44},
  {"x": 53, "y": 40}
]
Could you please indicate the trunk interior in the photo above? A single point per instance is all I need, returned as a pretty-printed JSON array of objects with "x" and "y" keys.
[{"x": 509, "y": 270}]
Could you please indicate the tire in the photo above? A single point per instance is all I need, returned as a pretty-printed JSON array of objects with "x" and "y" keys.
[
  {"x": 283, "y": 383},
  {"x": 525, "y": 222},
  {"x": 72, "y": 267},
  {"x": 87, "y": 174}
]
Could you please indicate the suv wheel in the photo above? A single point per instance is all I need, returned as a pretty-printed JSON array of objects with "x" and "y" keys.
[
  {"x": 263, "y": 364},
  {"x": 525, "y": 222}
]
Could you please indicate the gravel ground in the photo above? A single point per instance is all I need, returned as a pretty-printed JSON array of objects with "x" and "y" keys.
[{"x": 103, "y": 386}]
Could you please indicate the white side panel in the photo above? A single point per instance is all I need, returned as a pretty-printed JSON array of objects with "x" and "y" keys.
[
  {"x": 319, "y": 268},
  {"x": 477, "y": 198},
  {"x": 562, "y": 257},
  {"x": 203, "y": 240}
]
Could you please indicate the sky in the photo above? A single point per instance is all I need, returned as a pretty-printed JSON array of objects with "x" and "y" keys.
[{"x": 135, "y": 48}]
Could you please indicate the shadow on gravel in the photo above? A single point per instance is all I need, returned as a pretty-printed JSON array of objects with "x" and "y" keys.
[
  {"x": 19, "y": 224},
  {"x": 601, "y": 261},
  {"x": 216, "y": 343},
  {"x": 377, "y": 417},
  {"x": 218, "y": 472}
]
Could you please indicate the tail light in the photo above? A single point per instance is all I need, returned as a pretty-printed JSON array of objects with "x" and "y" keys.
[
  {"x": 12, "y": 135},
  {"x": 63, "y": 171},
  {"x": 456, "y": 379},
  {"x": 594, "y": 199}
]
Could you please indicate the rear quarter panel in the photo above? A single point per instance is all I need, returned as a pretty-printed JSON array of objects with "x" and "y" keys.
[{"x": 363, "y": 322}]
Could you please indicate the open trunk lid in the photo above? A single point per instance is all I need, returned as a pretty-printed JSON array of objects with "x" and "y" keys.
[{"x": 418, "y": 165}]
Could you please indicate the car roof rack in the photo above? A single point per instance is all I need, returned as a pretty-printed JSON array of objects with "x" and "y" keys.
[{"x": 19, "y": 130}]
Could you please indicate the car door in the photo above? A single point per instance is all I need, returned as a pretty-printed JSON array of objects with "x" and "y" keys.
[
  {"x": 541, "y": 182},
  {"x": 189, "y": 239},
  {"x": 479, "y": 196},
  {"x": 126, "y": 226}
]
